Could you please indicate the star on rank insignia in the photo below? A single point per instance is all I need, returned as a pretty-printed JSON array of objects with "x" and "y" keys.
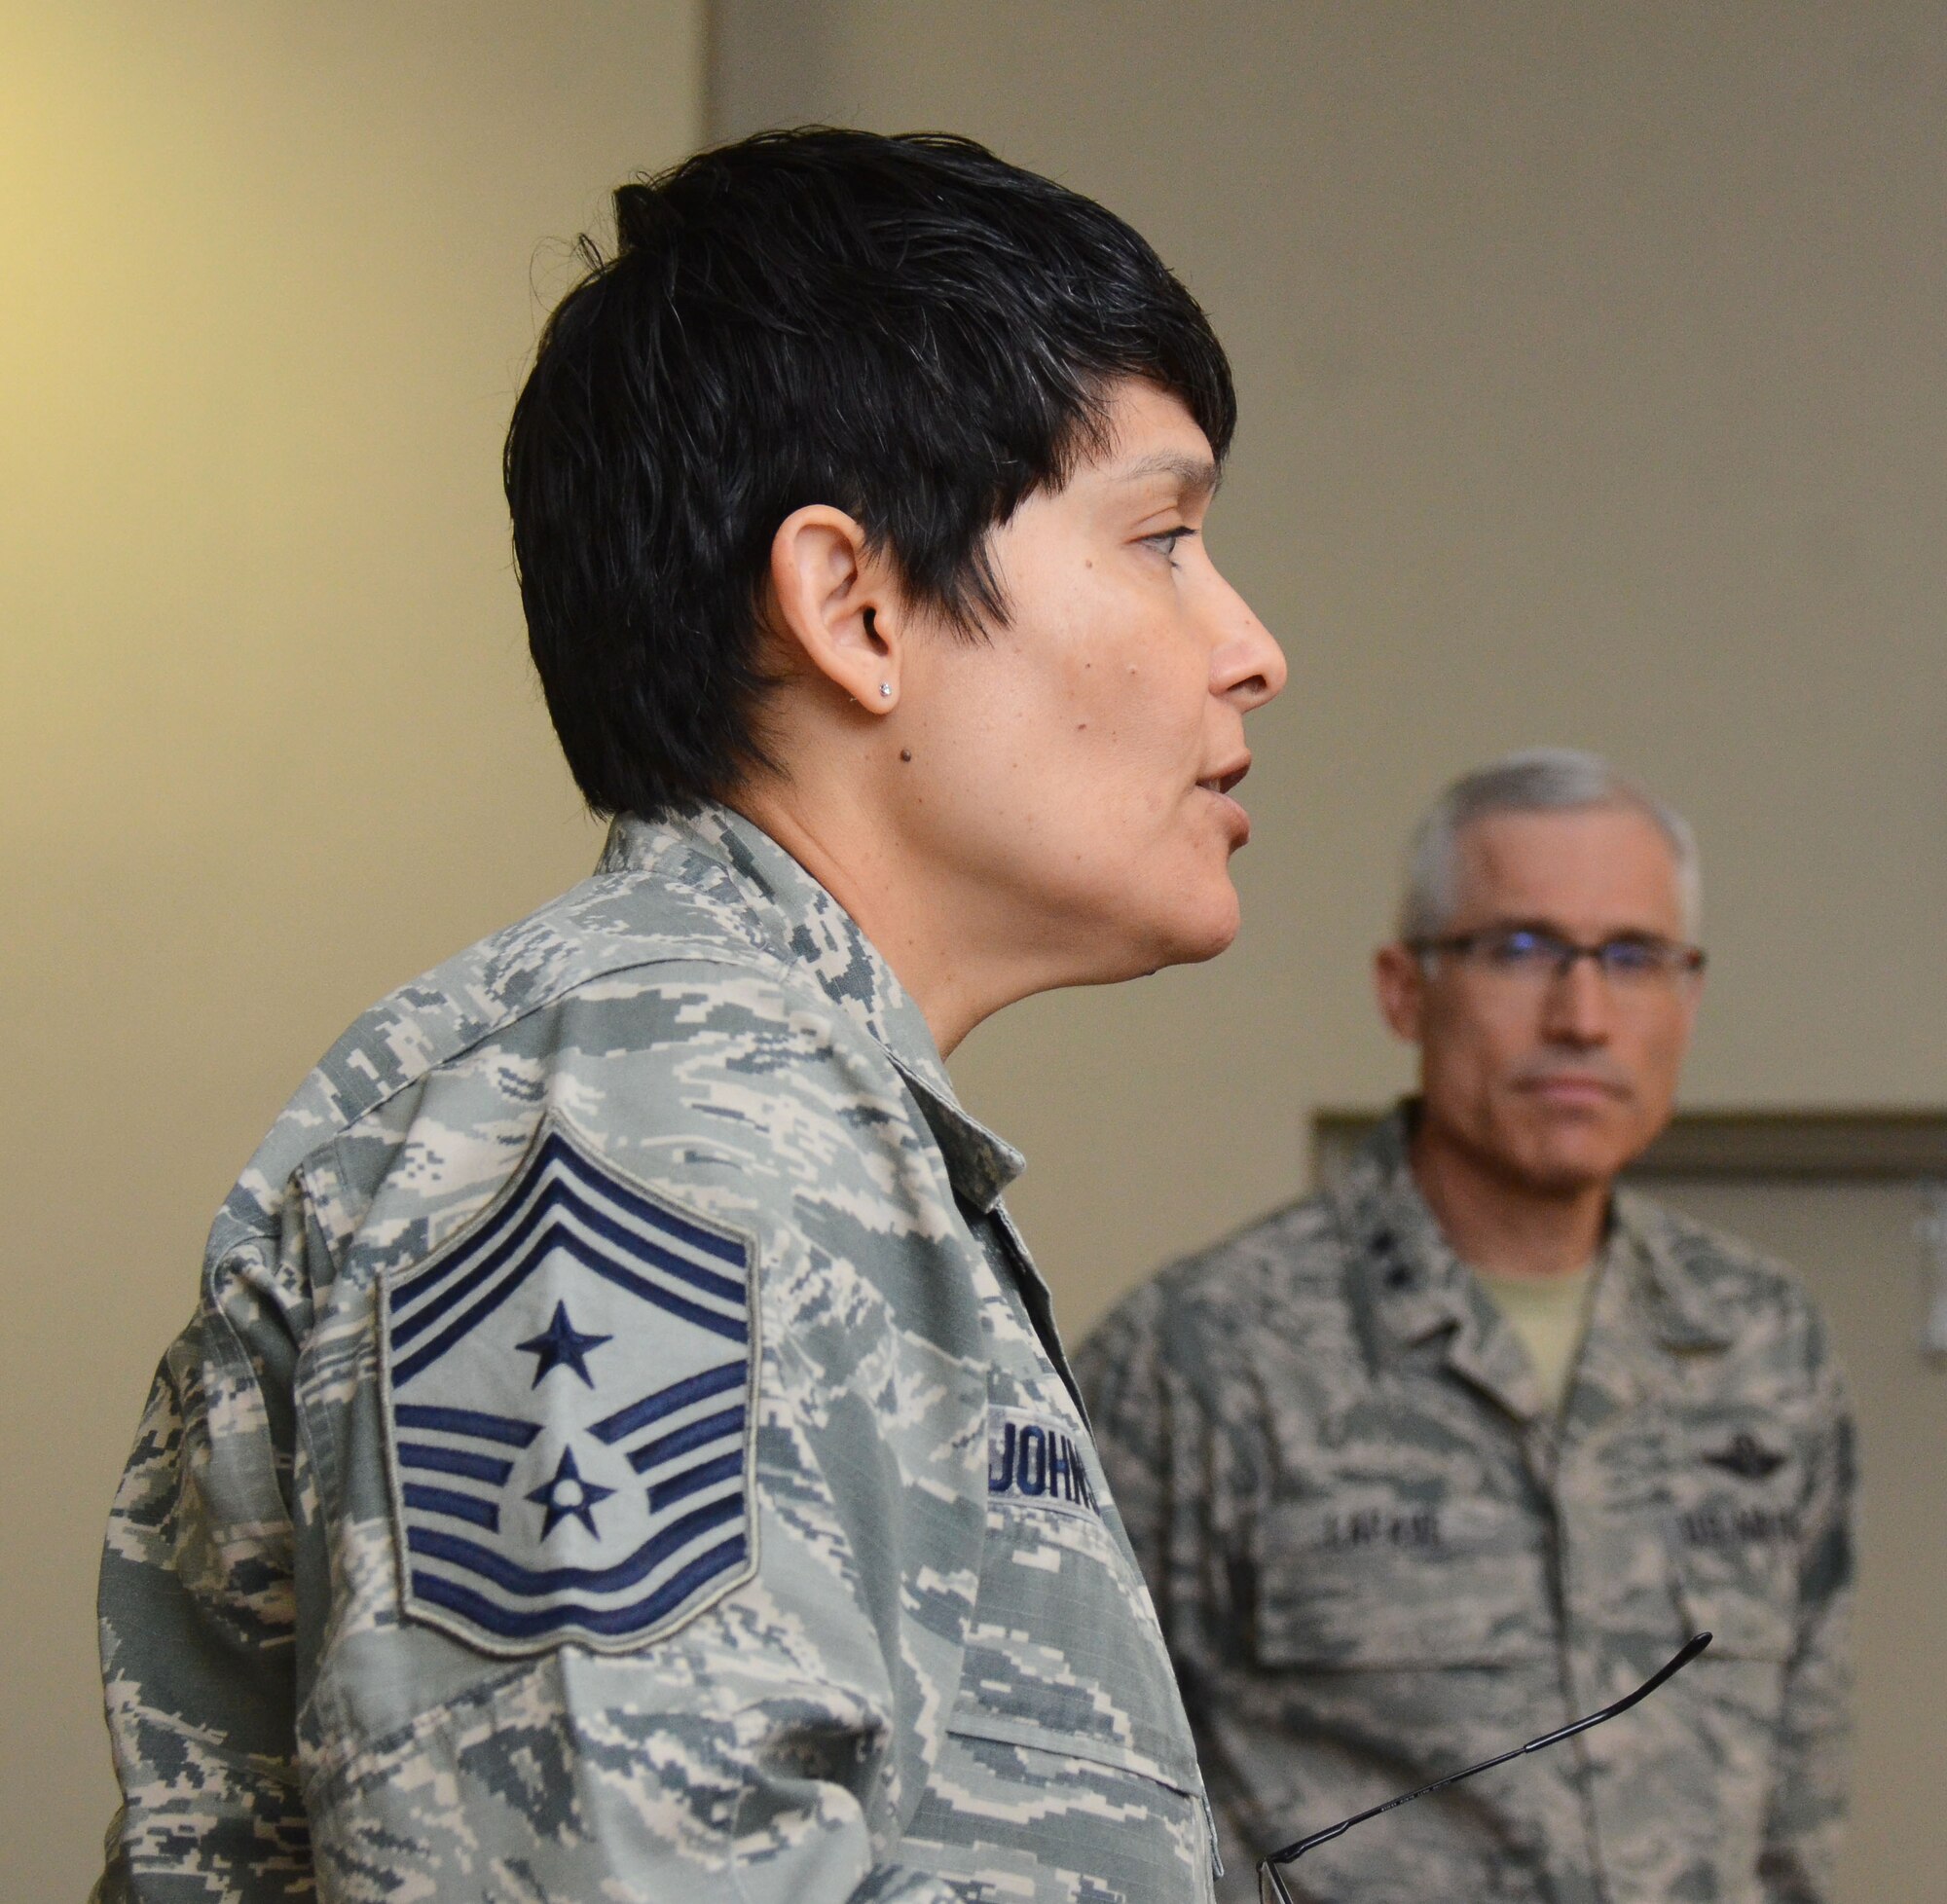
[
  {"x": 562, "y": 1345},
  {"x": 570, "y": 1393}
]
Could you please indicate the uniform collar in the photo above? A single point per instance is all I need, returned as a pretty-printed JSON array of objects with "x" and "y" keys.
[
  {"x": 1683, "y": 1311},
  {"x": 1412, "y": 1283},
  {"x": 809, "y": 930}
]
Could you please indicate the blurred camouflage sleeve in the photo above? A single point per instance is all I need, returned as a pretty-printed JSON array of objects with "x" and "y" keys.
[
  {"x": 1122, "y": 1384},
  {"x": 1167, "y": 1463},
  {"x": 197, "y": 1612},
  {"x": 1807, "y": 1815}
]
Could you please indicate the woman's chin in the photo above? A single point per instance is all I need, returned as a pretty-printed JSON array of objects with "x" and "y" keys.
[{"x": 1195, "y": 933}]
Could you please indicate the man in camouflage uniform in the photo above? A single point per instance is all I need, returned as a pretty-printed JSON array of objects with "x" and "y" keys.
[
  {"x": 1465, "y": 1445},
  {"x": 622, "y": 1450}
]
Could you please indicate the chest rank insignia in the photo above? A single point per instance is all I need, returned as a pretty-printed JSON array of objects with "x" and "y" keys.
[
  {"x": 569, "y": 1386},
  {"x": 1748, "y": 1458}
]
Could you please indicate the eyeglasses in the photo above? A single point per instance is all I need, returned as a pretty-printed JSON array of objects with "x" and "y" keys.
[
  {"x": 1527, "y": 953},
  {"x": 1272, "y": 1887}
]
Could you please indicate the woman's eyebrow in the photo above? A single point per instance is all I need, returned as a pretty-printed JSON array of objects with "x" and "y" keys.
[{"x": 1193, "y": 475}]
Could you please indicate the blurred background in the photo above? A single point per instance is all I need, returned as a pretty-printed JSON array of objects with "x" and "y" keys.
[{"x": 1593, "y": 375}]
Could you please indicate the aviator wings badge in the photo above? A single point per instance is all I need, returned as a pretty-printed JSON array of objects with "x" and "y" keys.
[
  {"x": 1747, "y": 1457},
  {"x": 571, "y": 1400}
]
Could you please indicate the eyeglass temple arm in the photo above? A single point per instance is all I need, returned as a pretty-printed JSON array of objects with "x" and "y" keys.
[{"x": 1691, "y": 1648}]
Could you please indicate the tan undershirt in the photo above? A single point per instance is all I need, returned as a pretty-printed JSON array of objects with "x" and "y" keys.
[{"x": 1550, "y": 1314}]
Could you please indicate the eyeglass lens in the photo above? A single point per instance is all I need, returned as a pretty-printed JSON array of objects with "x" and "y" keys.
[{"x": 1530, "y": 953}]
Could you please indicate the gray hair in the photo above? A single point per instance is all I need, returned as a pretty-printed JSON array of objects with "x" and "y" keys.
[{"x": 1538, "y": 780}]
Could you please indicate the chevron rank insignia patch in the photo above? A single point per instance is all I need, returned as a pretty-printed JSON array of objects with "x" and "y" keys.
[{"x": 570, "y": 1398}]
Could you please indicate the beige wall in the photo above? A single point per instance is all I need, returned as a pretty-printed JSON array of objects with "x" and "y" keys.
[
  {"x": 268, "y": 743},
  {"x": 1592, "y": 369}
]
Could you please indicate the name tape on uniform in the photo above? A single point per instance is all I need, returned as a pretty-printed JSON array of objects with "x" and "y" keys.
[{"x": 1032, "y": 1461}]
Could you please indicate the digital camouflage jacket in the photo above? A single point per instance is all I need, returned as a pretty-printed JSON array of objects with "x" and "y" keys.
[
  {"x": 622, "y": 1452},
  {"x": 1378, "y": 1559}
]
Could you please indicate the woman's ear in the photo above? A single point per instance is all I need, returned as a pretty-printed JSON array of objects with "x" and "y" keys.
[{"x": 838, "y": 604}]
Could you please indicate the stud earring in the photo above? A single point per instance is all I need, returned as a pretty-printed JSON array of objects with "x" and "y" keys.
[{"x": 885, "y": 690}]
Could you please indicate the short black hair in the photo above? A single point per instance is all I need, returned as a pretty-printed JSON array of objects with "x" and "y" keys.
[{"x": 906, "y": 328}]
